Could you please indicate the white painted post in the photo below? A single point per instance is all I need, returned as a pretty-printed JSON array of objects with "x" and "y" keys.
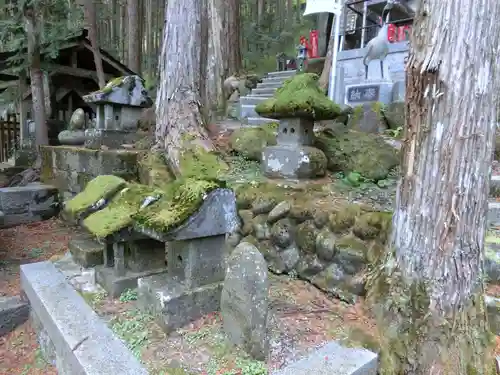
[
  {"x": 333, "y": 69},
  {"x": 335, "y": 7}
]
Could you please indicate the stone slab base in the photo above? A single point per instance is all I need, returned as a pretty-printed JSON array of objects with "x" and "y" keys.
[
  {"x": 495, "y": 186},
  {"x": 13, "y": 312},
  {"x": 71, "y": 334},
  {"x": 333, "y": 358},
  {"x": 116, "y": 285},
  {"x": 493, "y": 216},
  {"x": 28, "y": 204},
  {"x": 293, "y": 161},
  {"x": 173, "y": 304},
  {"x": 86, "y": 252}
]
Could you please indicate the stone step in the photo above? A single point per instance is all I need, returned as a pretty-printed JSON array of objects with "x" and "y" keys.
[
  {"x": 266, "y": 91},
  {"x": 493, "y": 216},
  {"x": 248, "y": 110},
  {"x": 256, "y": 121},
  {"x": 86, "y": 252},
  {"x": 284, "y": 73},
  {"x": 495, "y": 186},
  {"x": 275, "y": 80},
  {"x": 251, "y": 100},
  {"x": 333, "y": 358},
  {"x": 268, "y": 85}
]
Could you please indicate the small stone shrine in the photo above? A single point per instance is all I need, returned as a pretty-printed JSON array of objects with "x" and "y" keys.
[
  {"x": 196, "y": 263},
  {"x": 297, "y": 105},
  {"x": 119, "y": 107}
]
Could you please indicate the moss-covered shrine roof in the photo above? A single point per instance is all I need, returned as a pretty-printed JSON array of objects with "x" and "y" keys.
[
  {"x": 175, "y": 204},
  {"x": 301, "y": 97}
]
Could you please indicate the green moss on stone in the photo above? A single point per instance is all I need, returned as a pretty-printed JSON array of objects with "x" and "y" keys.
[
  {"x": 153, "y": 170},
  {"x": 197, "y": 163},
  {"x": 352, "y": 151},
  {"x": 118, "y": 213},
  {"x": 249, "y": 142},
  {"x": 100, "y": 187},
  {"x": 344, "y": 218},
  {"x": 300, "y": 96},
  {"x": 372, "y": 224},
  {"x": 306, "y": 234},
  {"x": 46, "y": 172},
  {"x": 181, "y": 200}
]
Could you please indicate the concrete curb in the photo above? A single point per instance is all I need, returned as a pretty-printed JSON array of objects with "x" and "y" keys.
[
  {"x": 13, "y": 312},
  {"x": 81, "y": 342},
  {"x": 333, "y": 358}
]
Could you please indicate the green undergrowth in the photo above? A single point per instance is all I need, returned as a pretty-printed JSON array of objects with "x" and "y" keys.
[
  {"x": 100, "y": 187},
  {"x": 300, "y": 96},
  {"x": 134, "y": 328},
  {"x": 181, "y": 199},
  {"x": 118, "y": 213}
]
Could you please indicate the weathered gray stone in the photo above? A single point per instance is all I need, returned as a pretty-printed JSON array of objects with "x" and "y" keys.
[
  {"x": 244, "y": 301},
  {"x": 83, "y": 343},
  {"x": 86, "y": 252},
  {"x": 279, "y": 212},
  {"x": 13, "y": 312},
  {"x": 30, "y": 203},
  {"x": 295, "y": 162},
  {"x": 493, "y": 310},
  {"x": 309, "y": 265},
  {"x": 173, "y": 304},
  {"x": 81, "y": 278},
  {"x": 331, "y": 359},
  {"x": 261, "y": 228},
  {"x": 495, "y": 186},
  {"x": 325, "y": 245},
  {"x": 72, "y": 137},
  {"x": 128, "y": 90},
  {"x": 263, "y": 205},
  {"x": 77, "y": 120},
  {"x": 337, "y": 282},
  {"x": 493, "y": 216},
  {"x": 282, "y": 233}
]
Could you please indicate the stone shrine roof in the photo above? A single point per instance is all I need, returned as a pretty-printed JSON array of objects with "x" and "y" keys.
[{"x": 126, "y": 91}]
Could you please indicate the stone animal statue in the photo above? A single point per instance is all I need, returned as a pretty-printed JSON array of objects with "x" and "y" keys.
[{"x": 378, "y": 47}]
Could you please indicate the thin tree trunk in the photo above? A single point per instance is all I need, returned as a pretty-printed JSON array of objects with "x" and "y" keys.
[
  {"x": 232, "y": 38},
  {"x": 324, "y": 80},
  {"x": 36, "y": 76},
  {"x": 179, "y": 120},
  {"x": 91, "y": 21},
  {"x": 429, "y": 288},
  {"x": 134, "y": 36}
]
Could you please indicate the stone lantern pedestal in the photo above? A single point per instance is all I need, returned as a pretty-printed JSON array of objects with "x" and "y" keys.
[{"x": 294, "y": 156}]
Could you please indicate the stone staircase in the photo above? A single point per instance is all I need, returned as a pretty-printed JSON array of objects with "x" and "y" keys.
[{"x": 264, "y": 90}]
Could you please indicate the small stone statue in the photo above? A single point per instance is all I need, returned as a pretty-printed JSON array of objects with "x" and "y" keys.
[{"x": 75, "y": 134}]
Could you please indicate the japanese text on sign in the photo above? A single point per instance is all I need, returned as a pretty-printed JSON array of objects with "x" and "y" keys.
[{"x": 363, "y": 94}]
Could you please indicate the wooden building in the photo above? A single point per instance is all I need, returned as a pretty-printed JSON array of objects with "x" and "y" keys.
[{"x": 68, "y": 77}]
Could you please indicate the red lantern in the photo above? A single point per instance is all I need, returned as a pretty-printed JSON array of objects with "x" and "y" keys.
[
  {"x": 313, "y": 37},
  {"x": 391, "y": 33}
]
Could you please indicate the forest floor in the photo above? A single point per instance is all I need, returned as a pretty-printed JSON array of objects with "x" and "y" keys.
[{"x": 19, "y": 353}]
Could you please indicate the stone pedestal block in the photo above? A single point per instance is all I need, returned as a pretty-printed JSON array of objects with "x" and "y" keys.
[{"x": 293, "y": 161}]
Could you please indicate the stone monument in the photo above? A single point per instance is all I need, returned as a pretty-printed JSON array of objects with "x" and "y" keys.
[
  {"x": 297, "y": 105},
  {"x": 244, "y": 301},
  {"x": 119, "y": 107},
  {"x": 75, "y": 134}
]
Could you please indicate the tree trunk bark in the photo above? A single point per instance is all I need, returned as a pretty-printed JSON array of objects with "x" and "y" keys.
[
  {"x": 134, "y": 36},
  {"x": 91, "y": 21},
  {"x": 179, "y": 120},
  {"x": 36, "y": 76},
  {"x": 324, "y": 80},
  {"x": 428, "y": 289},
  {"x": 232, "y": 38}
]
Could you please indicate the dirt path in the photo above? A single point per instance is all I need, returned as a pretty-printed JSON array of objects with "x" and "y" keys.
[{"x": 19, "y": 353}]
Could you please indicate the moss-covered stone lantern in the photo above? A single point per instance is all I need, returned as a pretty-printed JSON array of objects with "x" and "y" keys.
[{"x": 297, "y": 105}]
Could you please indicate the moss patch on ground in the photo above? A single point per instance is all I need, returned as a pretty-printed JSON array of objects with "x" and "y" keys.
[
  {"x": 301, "y": 97},
  {"x": 98, "y": 188},
  {"x": 249, "y": 142},
  {"x": 118, "y": 213},
  {"x": 197, "y": 163},
  {"x": 181, "y": 200},
  {"x": 352, "y": 151}
]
